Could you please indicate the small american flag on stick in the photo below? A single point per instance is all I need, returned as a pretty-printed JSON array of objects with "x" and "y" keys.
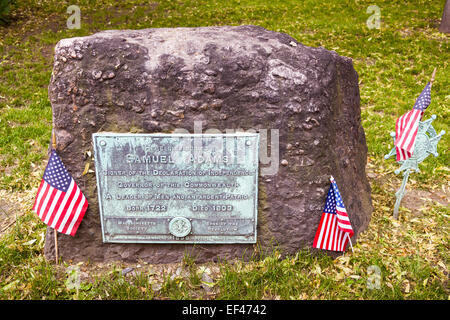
[
  {"x": 407, "y": 125},
  {"x": 59, "y": 201},
  {"x": 335, "y": 229}
]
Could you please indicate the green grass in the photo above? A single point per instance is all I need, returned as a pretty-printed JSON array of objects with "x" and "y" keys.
[{"x": 394, "y": 63}]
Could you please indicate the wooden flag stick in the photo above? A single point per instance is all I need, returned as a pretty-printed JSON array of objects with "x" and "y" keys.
[
  {"x": 432, "y": 77},
  {"x": 55, "y": 233},
  {"x": 53, "y": 140},
  {"x": 56, "y": 245}
]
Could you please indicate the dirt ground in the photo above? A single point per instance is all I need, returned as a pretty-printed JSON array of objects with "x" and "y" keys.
[{"x": 12, "y": 205}]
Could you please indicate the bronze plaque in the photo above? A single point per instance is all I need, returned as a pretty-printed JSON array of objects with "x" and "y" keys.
[{"x": 177, "y": 188}]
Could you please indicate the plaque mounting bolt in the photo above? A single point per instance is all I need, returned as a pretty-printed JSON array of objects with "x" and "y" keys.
[
  {"x": 180, "y": 227},
  {"x": 248, "y": 143},
  {"x": 102, "y": 142}
]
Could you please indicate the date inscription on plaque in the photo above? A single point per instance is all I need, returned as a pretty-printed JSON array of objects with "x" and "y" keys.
[{"x": 177, "y": 188}]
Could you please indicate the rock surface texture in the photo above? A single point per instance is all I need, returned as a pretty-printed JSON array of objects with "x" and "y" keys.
[{"x": 158, "y": 80}]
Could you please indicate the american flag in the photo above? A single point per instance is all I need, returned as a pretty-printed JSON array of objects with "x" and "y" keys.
[
  {"x": 59, "y": 201},
  {"x": 406, "y": 126},
  {"x": 335, "y": 229}
]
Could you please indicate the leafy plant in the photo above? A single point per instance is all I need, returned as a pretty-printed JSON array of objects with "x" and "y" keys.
[{"x": 4, "y": 11}]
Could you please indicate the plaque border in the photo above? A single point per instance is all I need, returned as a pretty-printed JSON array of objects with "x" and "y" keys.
[{"x": 98, "y": 135}]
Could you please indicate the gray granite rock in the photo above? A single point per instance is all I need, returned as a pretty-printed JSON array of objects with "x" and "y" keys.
[{"x": 158, "y": 80}]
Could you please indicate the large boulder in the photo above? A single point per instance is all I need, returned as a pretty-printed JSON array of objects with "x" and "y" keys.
[{"x": 231, "y": 77}]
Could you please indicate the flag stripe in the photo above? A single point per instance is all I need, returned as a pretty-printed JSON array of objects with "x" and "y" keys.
[
  {"x": 335, "y": 239},
  {"x": 411, "y": 130},
  {"x": 76, "y": 219},
  {"x": 409, "y": 143},
  {"x": 67, "y": 197},
  {"x": 69, "y": 210},
  {"x": 344, "y": 224},
  {"x": 75, "y": 214},
  {"x": 318, "y": 236},
  {"x": 339, "y": 240},
  {"x": 401, "y": 122},
  {"x": 343, "y": 218},
  {"x": 39, "y": 195},
  {"x": 345, "y": 240},
  {"x": 72, "y": 214},
  {"x": 324, "y": 227},
  {"x": 49, "y": 191},
  {"x": 407, "y": 125},
  {"x": 80, "y": 217},
  {"x": 66, "y": 208},
  {"x": 327, "y": 231},
  {"x": 336, "y": 231},
  {"x": 42, "y": 196},
  {"x": 402, "y": 154},
  {"x": 344, "y": 228},
  {"x": 46, "y": 208},
  {"x": 56, "y": 199},
  {"x": 331, "y": 237},
  {"x": 404, "y": 122}
]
